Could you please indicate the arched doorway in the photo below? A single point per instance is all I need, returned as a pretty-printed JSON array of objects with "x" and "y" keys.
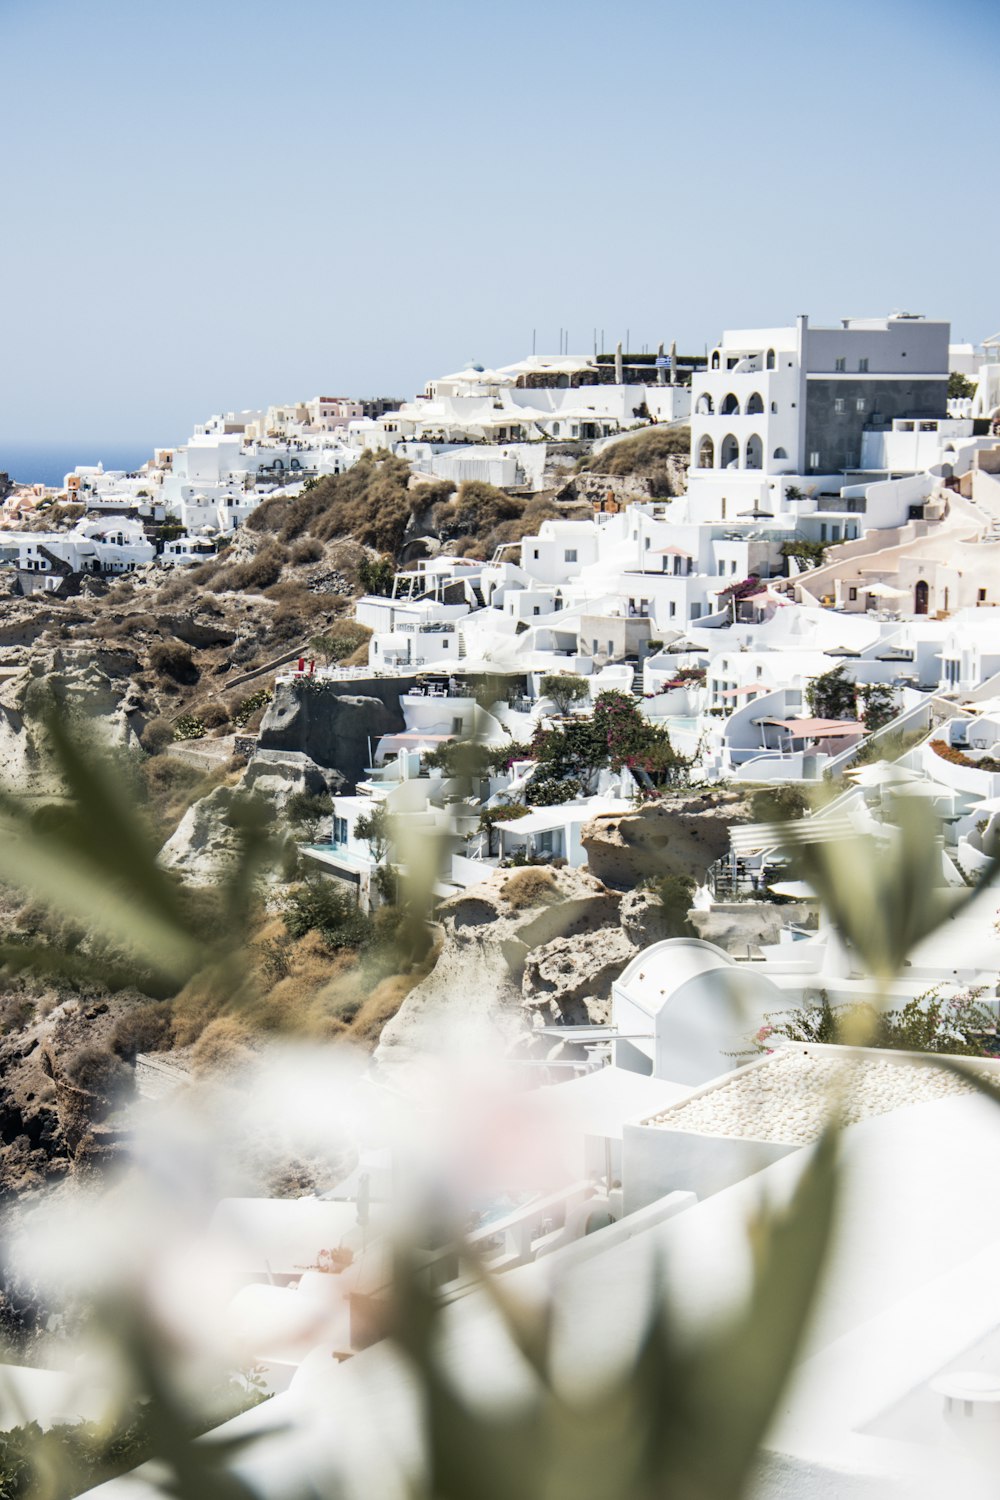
[
  {"x": 729, "y": 452},
  {"x": 770, "y": 359},
  {"x": 705, "y": 407},
  {"x": 755, "y": 405},
  {"x": 754, "y": 452},
  {"x": 730, "y": 406},
  {"x": 706, "y": 453},
  {"x": 921, "y": 595}
]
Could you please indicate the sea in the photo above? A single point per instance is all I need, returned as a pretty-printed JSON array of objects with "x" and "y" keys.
[{"x": 49, "y": 463}]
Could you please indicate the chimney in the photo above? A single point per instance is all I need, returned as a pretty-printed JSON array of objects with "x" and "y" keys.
[{"x": 618, "y": 363}]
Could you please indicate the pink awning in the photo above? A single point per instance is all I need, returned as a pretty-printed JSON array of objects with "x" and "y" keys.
[
  {"x": 817, "y": 729},
  {"x": 737, "y": 692},
  {"x": 671, "y": 552}
]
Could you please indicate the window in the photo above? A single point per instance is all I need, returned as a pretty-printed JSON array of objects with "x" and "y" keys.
[
  {"x": 671, "y": 610},
  {"x": 732, "y": 567},
  {"x": 535, "y": 610},
  {"x": 456, "y": 724},
  {"x": 611, "y": 648},
  {"x": 774, "y": 407},
  {"x": 535, "y": 554},
  {"x": 545, "y": 842},
  {"x": 838, "y": 405},
  {"x": 859, "y": 404},
  {"x": 695, "y": 611},
  {"x": 339, "y": 830},
  {"x": 981, "y": 597},
  {"x": 852, "y": 595},
  {"x": 569, "y": 555},
  {"x": 840, "y": 365},
  {"x": 722, "y": 567},
  {"x": 814, "y": 460},
  {"x": 863, "y": 366}
]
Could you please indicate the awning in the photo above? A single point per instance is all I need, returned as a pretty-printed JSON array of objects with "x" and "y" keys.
[
  {"x": 816, "y": 729},
  {"x": 737, "y": 692},
  {"x": 671, "y": 552}
]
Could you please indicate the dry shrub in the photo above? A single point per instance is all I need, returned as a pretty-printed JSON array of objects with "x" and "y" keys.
[
  {"x": 157, "y": 735},
  {"x": 142, "y": 1028},
  {"x": 173, "y": 659},
  {"x": 380, "y": 1007},
  {"x": 225, "y": 1043},
  {"x": 202, "y": 1000},
  {"x": 287, "y": 623},
  {"x": 96, "y": 1071},
  {"x": 290, "y": 591},
  {"x": 212, "y": 712},
  {"x": 254, "y": 575},
  {"x": 530, "y": 887},
  {"x": 306, "y": 551},
  {"x": 358, "y": 658}
]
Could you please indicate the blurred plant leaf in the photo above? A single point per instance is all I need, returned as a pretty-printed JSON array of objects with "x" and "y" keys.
[
  {"x": 682, "y": 1422},
  {"x": 884, "y": 897}
]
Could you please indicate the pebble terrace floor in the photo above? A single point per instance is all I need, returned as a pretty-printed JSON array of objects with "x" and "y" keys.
[{"x": 789, "y": 1099}]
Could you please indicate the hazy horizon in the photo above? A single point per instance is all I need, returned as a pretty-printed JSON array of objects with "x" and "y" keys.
[{"x": 214, "y": 207}]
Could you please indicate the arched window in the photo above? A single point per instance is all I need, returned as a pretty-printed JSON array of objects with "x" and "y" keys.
[
  {"x": 755, "y": 405},
  {"x": 774, "y": 406},
  {"x": 729, "y": 452},
  {"x": 715, "y": 359},
  {"x": 706, "y": 453},
  {"x": 730, "y": 406},
  {"x": 754, "y": 453},
  {"x": 770, "y": 359},
  {"x": 780, "y": 453},
  {"x": 706, "y": 406}
]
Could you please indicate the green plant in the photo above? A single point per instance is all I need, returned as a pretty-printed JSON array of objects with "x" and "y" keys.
[
  {"x": 322, "y": 906},
  {"x": 564, "y": 689},
  {"x": 960, "y": 387},
  {"x": 189, "y": 727},
  {"x": 778, "y": 804},
  {"x": 813, "y": 554},
  {"x": 961, "y": 1026},
  {"x": 833, "y": 695},
  {"x": 307, "y": 811},
  {"x": 550, "y": 791},
  {"x": 376, "y": 575},
  {"x": 374, "y": 828},
  {"x": 878, "y": 705},
  {"x": 241, "y": 715}
]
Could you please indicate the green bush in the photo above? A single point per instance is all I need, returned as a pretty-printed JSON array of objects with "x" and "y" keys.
[
  {"x": 189, "y": 727},
  {"x": 321, "y": 906},
  {"x": 564, "y": 689}
]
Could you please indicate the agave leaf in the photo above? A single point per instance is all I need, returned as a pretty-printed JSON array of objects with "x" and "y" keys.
[
  {"x": 884, "y": 897},
  {"x": 737, "y": 1375},
  {"x": 107, "y": 818},
  {"x": 529, "y": 1327},
  {"x": 48, "y": 869}
]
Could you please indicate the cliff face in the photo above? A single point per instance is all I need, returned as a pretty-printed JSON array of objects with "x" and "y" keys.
[
  {"x": 681, "y": 835},
  {"x": 333, "y": 722}
]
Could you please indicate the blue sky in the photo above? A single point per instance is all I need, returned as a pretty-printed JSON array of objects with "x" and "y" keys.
[{"x": 215, "y": 205}]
